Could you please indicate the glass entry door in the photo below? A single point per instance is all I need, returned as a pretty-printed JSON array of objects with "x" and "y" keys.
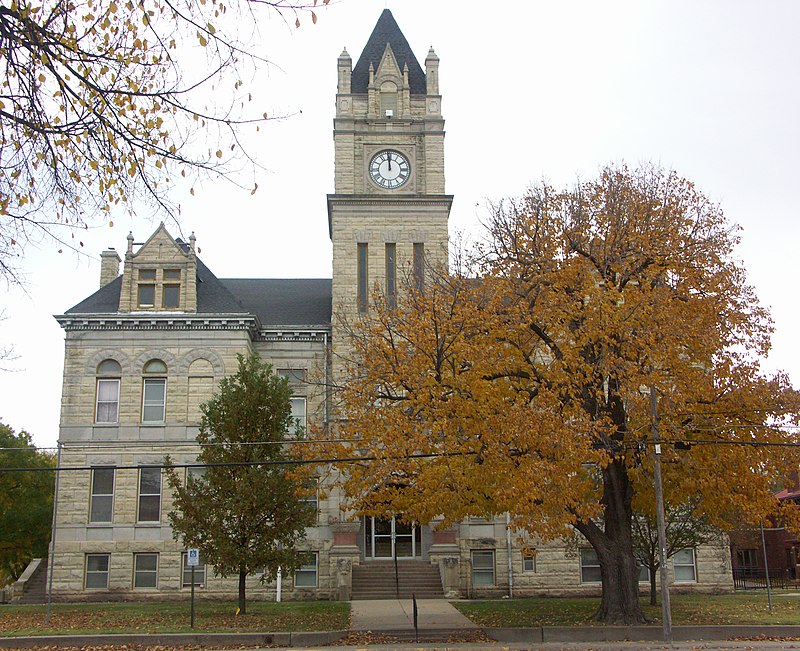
[{"x": 388, "y": 537}]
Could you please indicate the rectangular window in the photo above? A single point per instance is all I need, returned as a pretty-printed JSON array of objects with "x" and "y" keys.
[
  {"x": 145, "y": 570},
  {"x": 170, "y": 296},
  {"x": 482, "y": 567},
  {"x": 306, "y": 575},
  {"x": 419, "y": 265},
  {"x": 149, "y": 495},
  {"x": 313, "y": 496},
  {"x": 299, "y": 411},
  {"x": 528, "y": 561},
  {"x": 195, "y": 473},
  {"x": 590, "y": 566},
  {"x": 153, "y": 400},
  {"x": 391, "y": 274},
  {"x": 97, "y": 571},
  {"x": 296, "y": 378},
  {"x": 644, "y": 574},
  {"x": 747, "y": 558},
  {"x": 199, "y": 573},
  {"x": 363, "y": 277},
  {"x": 101, "y": 502},
  {"x": 146, "y": 296},
  {"x": 107, "y": 401},
  {"x": 684, "y": 566}
]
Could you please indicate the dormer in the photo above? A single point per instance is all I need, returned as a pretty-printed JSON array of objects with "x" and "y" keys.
[
  {"x": 160, "y": 276},
  {"x": 388, "y": 88}
]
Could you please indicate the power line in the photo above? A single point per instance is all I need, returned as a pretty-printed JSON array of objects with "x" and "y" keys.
[
  {"x": 125, "y": 445},
  {"x": 234, "y": 464}
]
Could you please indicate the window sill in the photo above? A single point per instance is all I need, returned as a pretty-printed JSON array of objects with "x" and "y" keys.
[
  {"x": 100, "y": 525},
  {"x": 146, "y": 525}
]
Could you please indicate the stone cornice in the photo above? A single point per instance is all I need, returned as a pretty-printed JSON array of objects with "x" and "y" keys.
[
  {"x": 158, "y": 321},
  {"x": 394, "y": 201},
  {"x": 317, "y": 334}
]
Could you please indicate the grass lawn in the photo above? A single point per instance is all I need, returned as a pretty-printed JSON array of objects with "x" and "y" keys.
[
  {"x": 173, "y": 617},
  {"x": 742, "y": 608}
]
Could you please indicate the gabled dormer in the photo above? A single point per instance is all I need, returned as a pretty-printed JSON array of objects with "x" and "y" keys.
[
  {"x": 161, "y": 276},
  {"x": 389, "y": 91}
]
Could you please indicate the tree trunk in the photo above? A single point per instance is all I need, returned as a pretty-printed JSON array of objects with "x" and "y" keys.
[
  {"x": 242, "y": 593},
  {"x": 653, "y": 570},
  {"x": 614, "y": 546}
]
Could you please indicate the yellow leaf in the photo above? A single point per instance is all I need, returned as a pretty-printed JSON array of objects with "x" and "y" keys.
[
  {"x": 202, "y": 39},
  {"x": 211, "y": 28},
  {"x": 219, "y": 153}
]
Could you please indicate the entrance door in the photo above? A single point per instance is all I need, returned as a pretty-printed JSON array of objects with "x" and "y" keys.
[{"x": 388, "y": 537}]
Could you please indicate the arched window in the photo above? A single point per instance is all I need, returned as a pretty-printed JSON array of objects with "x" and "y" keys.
[
  {"x": 107, "y": 400},
  {"x": 154, "y": 391},
  {"x": 388, "y": 99}
]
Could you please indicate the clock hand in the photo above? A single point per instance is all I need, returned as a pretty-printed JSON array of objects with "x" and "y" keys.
[{"x": 389, "y": 155}]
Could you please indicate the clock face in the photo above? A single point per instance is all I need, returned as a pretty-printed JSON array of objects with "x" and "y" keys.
[{"x": 389, "y": 169}]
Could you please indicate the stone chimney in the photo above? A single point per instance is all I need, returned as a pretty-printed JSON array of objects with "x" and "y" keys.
[{"x": 109, "y": 266}]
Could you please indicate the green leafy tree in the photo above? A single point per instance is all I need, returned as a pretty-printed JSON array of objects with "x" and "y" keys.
[
  {"x": 26, "y": 502},
  {"x": 248, "y": 511},
  {"x": 684, "y": 528}
]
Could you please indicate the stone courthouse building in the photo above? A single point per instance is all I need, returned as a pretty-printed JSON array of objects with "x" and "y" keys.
[{"x": 146, "y": 349}]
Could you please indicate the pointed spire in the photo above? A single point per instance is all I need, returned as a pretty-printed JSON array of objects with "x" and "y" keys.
[
  {"x": 432, "y": 72},
  {"x": 386, "y": 32}
]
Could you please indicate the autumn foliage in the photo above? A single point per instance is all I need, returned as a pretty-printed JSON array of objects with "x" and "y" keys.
[
  {"x": 522, "y": 386},
  {"x": 103, "y": 102}
]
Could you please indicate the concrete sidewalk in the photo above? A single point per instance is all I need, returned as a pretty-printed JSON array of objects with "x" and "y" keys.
[{"x": 398, "y": 614}]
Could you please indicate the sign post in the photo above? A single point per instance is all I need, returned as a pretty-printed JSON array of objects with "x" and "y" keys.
[{"x": 192, "y": 560}]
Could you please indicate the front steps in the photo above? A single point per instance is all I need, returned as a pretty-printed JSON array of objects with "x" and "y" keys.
[{"x": 377, "y": 580}]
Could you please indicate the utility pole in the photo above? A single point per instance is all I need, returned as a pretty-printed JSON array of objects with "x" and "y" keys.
[
  {"x": 51, "y": 562},
  {"x": 662, "y": 533}
]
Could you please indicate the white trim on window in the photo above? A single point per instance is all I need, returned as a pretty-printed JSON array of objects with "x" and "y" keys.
[
  {"x": 101, "y": 497},
  {"x": 149, "y": 503},
  {"x": 590, "y": 566},
  {"x": 145, "y": 570},
  {"x": 684, "y": 566},
  {"x": 306, "y": 575},
  {"x": 482, "y": 567},
  {"x": 96, "y": 572}
]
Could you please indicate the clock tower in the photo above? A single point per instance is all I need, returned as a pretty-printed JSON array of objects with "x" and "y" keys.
[{"x": 388, "y": 214}]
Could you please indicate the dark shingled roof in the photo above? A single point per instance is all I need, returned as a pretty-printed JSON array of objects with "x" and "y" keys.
[
  {"x": 387, "y": 31},
  {"x": 104, "y": 301},
  {"x": 284, "y": 301},
  {"x": 276, "y": 302},
  {"x": 212, "y": 297}
]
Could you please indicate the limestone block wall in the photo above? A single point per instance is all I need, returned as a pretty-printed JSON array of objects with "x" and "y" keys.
[
  {"x": 196, "y": 360},
  {"x": 556, "y": 568}
]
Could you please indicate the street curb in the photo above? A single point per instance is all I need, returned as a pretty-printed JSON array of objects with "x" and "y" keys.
[
  {"x": 532, "y": 635},
  {"x": 544, "y": 634},
  {"x": 218, "y": 640}
]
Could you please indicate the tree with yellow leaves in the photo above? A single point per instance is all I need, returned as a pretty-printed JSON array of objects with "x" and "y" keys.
[
  {"x": 104, "y": 101},
  {"x": 523, "y": 386}
]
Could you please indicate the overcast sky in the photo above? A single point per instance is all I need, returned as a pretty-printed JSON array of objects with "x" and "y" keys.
[{"x": 533, "y": 90}]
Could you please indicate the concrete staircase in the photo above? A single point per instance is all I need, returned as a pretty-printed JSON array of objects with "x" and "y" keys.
[
  {"x": 31, "y": 587},
  {"x": 376, "y": 580}
]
